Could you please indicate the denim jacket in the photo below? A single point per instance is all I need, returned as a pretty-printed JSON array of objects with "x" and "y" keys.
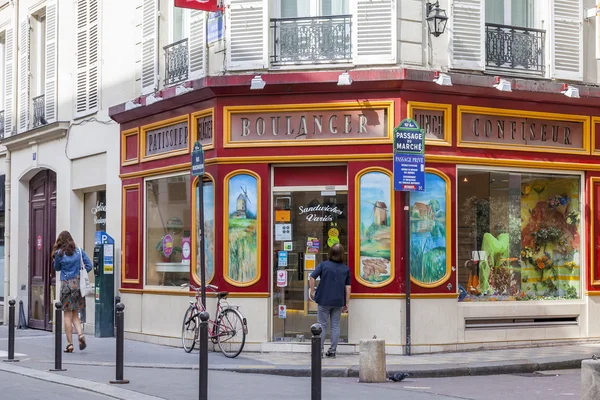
[{"x": 69, "y": 265}]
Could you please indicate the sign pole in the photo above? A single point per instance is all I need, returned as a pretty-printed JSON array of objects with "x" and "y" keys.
[
  {"x": 409, "y": 175},
  {"x": 198, "y": 170},
  {"x": 407, "y": 267}
]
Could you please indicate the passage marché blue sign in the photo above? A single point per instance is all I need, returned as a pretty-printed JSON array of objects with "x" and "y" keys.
[
  {"x": 409, "y": 158},
  {"x": 409, "y": 138}
]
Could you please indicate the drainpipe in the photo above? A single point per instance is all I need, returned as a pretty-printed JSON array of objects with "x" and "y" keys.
[{"x": 7, "y": 211}]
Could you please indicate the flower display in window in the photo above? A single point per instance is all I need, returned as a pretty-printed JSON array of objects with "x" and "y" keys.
[{"x": 573, "y": 218}]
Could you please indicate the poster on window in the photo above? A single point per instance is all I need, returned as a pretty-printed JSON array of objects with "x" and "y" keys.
[
  {"x": 242, "y": 229},
  {"x": 375, "y": 200},
  {"x": 428, "y": 235}
]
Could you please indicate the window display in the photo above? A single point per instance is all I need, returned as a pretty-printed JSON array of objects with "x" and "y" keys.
[
  {"x": 168, "y": 227},
  {"x": 518, "y": 236}
]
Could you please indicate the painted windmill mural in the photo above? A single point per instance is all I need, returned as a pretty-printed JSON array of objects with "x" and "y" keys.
[
  {"x": 375, "y": 228},
  {"x": 242, "y": 226}
]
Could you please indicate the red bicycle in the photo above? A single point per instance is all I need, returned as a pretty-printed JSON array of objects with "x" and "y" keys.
[{"x": 228, "y": 329}]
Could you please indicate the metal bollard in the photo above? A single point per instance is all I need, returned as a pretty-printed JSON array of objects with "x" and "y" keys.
[
  {"x": 203, "y": 363},
  {"x": 11, "y": 331},
  {"x": 120, "y": 320},
  {"x": 22, "y": 321},
  {"x": 58, "y": 338},
  {"x": 117, "y": 301},
  {"x": 315, "y": 364}
]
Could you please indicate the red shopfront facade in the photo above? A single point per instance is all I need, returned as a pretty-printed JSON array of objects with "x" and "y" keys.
[{"x": 502, "y": 240}]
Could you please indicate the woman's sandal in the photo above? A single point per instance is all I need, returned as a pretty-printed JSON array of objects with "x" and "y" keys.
[
  {"x": 82, "y": 344},
  {"x": 69, "y": 348}
]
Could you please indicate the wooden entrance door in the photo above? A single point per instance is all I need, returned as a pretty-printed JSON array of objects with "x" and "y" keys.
[{"x": 42, "y": 234}]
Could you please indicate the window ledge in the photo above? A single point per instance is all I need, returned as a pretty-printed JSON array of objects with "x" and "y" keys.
[{"x": 325, "y": 65}]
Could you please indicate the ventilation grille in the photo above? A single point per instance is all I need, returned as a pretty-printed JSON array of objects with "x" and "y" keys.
[{"x": 520, "y": 322}]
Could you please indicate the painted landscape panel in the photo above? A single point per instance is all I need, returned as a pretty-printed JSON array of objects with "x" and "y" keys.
[
  {"x": 428, "y": 231},
  {"x": 375, "y": 232},
  {"x": 242, "y": 228},
  {"x": 209, "y": 231}
]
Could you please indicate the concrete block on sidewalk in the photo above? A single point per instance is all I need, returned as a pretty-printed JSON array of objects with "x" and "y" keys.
[
  {"x": 590, "y": 379},
  {"x": 371, "y": 361}
]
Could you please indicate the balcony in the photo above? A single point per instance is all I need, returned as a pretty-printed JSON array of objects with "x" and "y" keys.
[
  {"x": 177, "y": 62},
  {"x": 312, "y": 40},
  {"x": 39, "y": 111},
  {"x": 512, "y": 49}
]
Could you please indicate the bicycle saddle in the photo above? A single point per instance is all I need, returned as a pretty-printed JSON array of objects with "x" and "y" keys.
[{"x": 222, "y": 295}]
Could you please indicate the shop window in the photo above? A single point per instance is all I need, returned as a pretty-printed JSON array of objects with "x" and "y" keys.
[
  {"x": 168, "y": 228},
  {"x": 519, "y": 236},
  {"x": 209, "y": 230}
]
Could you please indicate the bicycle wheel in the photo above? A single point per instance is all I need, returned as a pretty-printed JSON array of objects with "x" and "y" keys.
[
  {"x": 189, "y": 330},
  {"x": 231, "y": 333}
]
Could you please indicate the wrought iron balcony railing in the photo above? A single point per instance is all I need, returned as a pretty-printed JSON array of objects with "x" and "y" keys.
[
  {"x": 176, "y": 62},
  {"x": 312, "y": 39},
  {"x": 39, "y": 111},
  {"x": 2, "y": 124},
  {"x": 512, "y": 48}
]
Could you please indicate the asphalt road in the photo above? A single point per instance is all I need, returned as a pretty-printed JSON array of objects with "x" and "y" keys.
[{"x": 183, "y": 384}]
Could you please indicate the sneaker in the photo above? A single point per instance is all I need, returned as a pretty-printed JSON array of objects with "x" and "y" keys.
[{"x": 330, "y": 354}]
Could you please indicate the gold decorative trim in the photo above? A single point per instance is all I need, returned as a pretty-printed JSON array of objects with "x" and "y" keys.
[
  {"x": 377, "y": 296},
  {"x": 226, "y": 227},
  {"x": 448, "y": 236},
  {"x": 124, "y": 136},
  {"x": 595, "y": 120},
  {"x": 593, "y": 279},
  {"x": 157, "y": 171},
  {"x": 126, "y": 188},
  {"x": 503, "y": 162},
  {"x": 434, "y": 295},
  {"x": 192, "y": 294},
  {"x": 445, "y": 108},
  {"x": 193, "y": 261},
  {"x": 592, "y": 293},
  {"x": 524, "y": 114},
  {"x": 194, "y": 126},
  {"x": 161, "y": 124},
  {"x": 357, "y": 238},
  {"x": 358, "y": 105}
]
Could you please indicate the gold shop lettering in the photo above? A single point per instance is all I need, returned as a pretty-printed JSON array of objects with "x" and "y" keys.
[{"x": 168, "y": 138}]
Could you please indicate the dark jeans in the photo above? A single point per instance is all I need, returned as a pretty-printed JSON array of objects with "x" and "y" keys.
[{"x": 335, "y": 313}]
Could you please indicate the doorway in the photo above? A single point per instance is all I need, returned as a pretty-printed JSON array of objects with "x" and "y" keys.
[
  {"x": 42, "y": 234},
  {"x": 307, "y": 222}
]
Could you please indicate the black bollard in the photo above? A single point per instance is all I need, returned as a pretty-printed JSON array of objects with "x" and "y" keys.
[
  {"x": 22, "y": 322},
  {"x": 203, "y": 364},
  {"x": 315, "y": 380},
  {"x": 11, "y": 331},
  {"x": 120, "y": 320},
  {"x": 58, "y": 338},
  {"x": 117, "y": 301}
]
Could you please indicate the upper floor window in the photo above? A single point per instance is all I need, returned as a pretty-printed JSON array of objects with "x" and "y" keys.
[
  {"x": 510, "y": 12},
  {"x": 313, "y": 8}
]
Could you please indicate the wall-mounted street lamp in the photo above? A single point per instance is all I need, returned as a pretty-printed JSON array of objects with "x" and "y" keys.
[{"x": 436, "y": 19}]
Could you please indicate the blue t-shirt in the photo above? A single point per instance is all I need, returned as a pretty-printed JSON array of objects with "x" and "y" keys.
[{"x": 331, "y": 291}]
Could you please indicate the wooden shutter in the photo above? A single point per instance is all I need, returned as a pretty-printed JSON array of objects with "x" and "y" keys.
[
  {"x": 24, "y": 29},
  {"x": 247, "y": 33},
  {"x": 149, "y": 46},
  {"x": 9, "y": 83},
  {"x": 197, "y": 44},
  {"x": 566, "y": 40},
  {"x": 466, "y": 34},
  {"x": 86, "y": 85},
  {"x": 374, "y": 31},
  {"x": 51, "y": 60}
]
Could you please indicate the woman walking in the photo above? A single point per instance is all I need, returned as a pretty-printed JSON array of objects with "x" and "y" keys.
[{"x": 68, "y": 260}]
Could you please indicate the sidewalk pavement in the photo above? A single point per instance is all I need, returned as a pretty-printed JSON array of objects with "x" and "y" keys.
[{"x": 36, "y": 349}]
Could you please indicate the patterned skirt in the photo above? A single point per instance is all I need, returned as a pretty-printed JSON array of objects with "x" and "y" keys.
[{"x": 70, "y": 296}]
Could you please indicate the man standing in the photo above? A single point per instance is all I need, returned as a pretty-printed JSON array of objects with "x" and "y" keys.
[{"x": 333, "y": 294}]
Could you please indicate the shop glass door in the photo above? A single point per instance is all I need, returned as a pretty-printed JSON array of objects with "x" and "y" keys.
[{"x": 306, "y": 224}]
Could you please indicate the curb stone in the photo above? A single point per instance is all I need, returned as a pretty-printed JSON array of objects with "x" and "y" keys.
[{"x": 90, "y": 386}]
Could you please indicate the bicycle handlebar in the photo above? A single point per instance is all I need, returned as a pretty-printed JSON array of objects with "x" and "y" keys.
[{"x": 198, "y": 289}]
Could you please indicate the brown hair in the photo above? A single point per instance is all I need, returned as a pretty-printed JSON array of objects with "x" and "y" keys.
[
  {"x": 336, "y": 253},
  {"x": 65, "y": 243}
]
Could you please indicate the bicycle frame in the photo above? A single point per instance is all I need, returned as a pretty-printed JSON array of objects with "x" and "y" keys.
[{"x": 212, "y": 334}]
